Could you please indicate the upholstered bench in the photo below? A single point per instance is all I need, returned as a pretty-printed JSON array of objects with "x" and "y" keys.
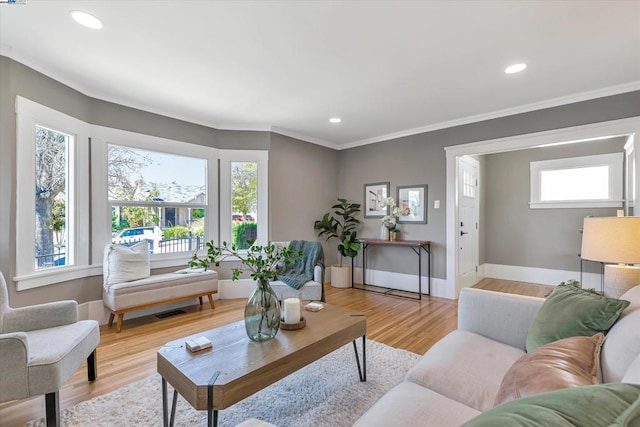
[{"x": 128, "y": 285}]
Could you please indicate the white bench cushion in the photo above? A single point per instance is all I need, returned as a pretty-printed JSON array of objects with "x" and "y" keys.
[{"x": 160, "y": 287}]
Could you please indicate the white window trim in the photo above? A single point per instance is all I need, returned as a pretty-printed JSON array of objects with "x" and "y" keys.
[
  {"x": 92, "y": 232},
  {"x": 102, "y": 137},
  {"x": 30, "y": 114},
  {"x": 260, "y": 157},
  {"x": 613, "y": 160}
]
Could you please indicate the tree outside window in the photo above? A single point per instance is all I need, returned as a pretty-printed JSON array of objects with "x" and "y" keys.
[
  {"x": 244, "y": 202},
  {"x": 51, "y": 154}
]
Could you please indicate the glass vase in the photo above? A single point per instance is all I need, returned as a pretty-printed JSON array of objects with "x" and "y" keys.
[
  {"x": 384, "y": 232},
  {"x": 262, "y": 313}
]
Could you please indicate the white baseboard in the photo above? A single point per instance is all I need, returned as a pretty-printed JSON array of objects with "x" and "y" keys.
[
  {"x": 543, "y": 276},
  {"x": 229, "y": 289},
  {"x": 405, "y": 282}
]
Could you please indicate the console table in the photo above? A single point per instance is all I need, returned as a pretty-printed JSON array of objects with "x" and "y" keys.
[{"x": 416, "y": 245}]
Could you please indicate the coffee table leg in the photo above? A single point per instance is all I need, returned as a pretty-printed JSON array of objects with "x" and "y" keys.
[
  {"x": 165, "y": 414},
  {"x": 165, "y": 409},
  {"x": 173, "y": 408},
  {"x": 212, "y": 417},
  {"x": 362, "y": 371},
  {"x": 212, "y": 414}
]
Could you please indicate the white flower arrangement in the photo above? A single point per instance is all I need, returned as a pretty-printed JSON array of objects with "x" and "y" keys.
[{"x": 390, "y": 221}]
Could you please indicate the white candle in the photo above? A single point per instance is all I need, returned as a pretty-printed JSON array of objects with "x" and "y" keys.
[{"x": 291, "y": 310}]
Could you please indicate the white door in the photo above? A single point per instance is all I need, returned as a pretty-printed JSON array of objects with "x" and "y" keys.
[{"x": 467, "y": 221}]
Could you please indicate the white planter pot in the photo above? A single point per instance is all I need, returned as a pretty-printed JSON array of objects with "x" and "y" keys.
[{"x": 340, "y": 276}]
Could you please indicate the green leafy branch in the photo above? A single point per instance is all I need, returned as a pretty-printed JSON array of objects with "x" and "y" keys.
[{"x": 262, "y": 262}]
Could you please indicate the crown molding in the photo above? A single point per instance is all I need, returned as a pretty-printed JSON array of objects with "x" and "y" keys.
[
  {"x": 6, "y": 50},
  {"x": 306, "y": 138},
  {"x": 549, "y": 103}
]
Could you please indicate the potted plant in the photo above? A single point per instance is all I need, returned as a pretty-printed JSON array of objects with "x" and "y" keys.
[
  {"x": 262, "y": 312},
  {"x": 390, "y": 222},
  {"x": 342, "y": 225}
]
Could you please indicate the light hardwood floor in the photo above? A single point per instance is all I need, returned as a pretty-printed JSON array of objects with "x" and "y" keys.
[{"x": 131, "y": 355}]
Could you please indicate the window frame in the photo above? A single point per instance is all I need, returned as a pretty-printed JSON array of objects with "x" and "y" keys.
[
  {"x": 261, "y": 157},
  {"x": 101, "y": 205},
  {"x": 30, "y": 114},
  {"x": 614, "y": 161},
  {"x": 91, "y": 232}
]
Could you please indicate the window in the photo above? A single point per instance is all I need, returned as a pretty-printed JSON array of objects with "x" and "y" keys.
[
  {"x": 52, "y": 157},
  {"x": 244, "y": 203},
  {"x": 578, "y": 182},
  {"x": 143, "y": 187},
  {"x": 153, "y": 196},
  {"x": 243, "y": 197},
  {"x": 153, "y": 189}
]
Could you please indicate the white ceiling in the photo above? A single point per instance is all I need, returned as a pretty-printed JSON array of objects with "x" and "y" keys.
[{"x": 388, "y": 68}]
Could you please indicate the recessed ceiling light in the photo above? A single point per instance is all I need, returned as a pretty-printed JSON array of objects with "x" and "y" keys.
[
  {"x": 335, "y": 120},
  {"x": 86, "y": 19},
  {"x": 515, "y": 68}
]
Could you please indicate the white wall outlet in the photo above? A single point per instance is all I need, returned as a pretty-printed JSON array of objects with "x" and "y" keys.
[{"x": 436, "y": 204}]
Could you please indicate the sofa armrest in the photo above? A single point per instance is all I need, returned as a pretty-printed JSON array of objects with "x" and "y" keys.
[
  {"x": 496, "y": 315},
  {"x": 14, "y": 354},
  {"x": 318, "y": 274},
  {"x": 40, "y": 316}
]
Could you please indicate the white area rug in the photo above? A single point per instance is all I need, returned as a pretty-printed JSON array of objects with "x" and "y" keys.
[{"x": 326, "y": 393}]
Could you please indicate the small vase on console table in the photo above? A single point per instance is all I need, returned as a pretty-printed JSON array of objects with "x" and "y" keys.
[{"x": 384, "y": 232}]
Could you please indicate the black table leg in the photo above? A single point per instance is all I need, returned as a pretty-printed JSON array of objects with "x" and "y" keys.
[
  {"x": 362, "y": 370},
  {"x": 165, "y": 411}
]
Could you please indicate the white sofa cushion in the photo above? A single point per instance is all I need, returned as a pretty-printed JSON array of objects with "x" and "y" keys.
[
  {"x": 633, "y": 373},
  {"x": 124, "y": 264},
  {"x": 465, "y": 367},
  {"x": 622, "y": 345},
  {"x": 409, "y": 404}
]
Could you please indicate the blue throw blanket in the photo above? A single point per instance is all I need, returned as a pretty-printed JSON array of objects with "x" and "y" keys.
[{"x": 301, "y": 271}]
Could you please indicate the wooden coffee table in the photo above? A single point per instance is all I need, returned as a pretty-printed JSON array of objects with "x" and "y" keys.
[{"x": 237, "y": 367}]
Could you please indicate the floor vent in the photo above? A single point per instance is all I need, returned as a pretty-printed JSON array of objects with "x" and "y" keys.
[{"x": 169, "y": 313}]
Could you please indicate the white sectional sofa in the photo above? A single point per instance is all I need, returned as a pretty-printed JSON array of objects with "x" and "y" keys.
[{"x": 460, "y": 376}]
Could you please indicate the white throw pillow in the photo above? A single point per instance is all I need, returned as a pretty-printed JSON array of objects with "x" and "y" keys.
[{"x": 124, "y": 264}]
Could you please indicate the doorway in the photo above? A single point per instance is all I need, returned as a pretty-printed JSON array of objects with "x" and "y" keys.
[
  {"x": 468, "y": 205},
  {"x": 624, "y": 127}
]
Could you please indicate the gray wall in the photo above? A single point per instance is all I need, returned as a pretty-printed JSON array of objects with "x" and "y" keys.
[
  {"x": 411, "y": 160},
  {"x": 408, "y": 161},
  {"x": 17, "y": 79},
  {"x": 544, "y": 238},
  {"x": 421, "y": 159},
  {"x": 303, "y": 184}
]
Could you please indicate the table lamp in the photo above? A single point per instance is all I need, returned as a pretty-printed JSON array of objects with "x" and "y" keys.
[{"x": 614, "y": 240}]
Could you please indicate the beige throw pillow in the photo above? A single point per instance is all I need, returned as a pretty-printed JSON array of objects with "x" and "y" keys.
[
  {"x": 124, "y": 264},
  {"x": 569, "y": 362}
]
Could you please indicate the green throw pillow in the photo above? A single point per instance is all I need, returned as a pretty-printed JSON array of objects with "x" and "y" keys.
[
  {"x": 612, "y": 404},
  {"x": 571, "y": 311}
]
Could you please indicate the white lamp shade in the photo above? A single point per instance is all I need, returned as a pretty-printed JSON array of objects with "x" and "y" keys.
[{"x": 611, "y": 239}]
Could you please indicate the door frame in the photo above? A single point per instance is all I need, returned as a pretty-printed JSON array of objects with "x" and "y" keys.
[
  {"x": 629, "y": 127},
  {"x": 472, "y": 161}
]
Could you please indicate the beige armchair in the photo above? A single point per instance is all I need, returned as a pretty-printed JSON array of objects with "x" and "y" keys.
[{"x": 41, "y": 346}]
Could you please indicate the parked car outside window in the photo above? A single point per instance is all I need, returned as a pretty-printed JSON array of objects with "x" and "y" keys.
[{"x": 137, "y": 234}]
